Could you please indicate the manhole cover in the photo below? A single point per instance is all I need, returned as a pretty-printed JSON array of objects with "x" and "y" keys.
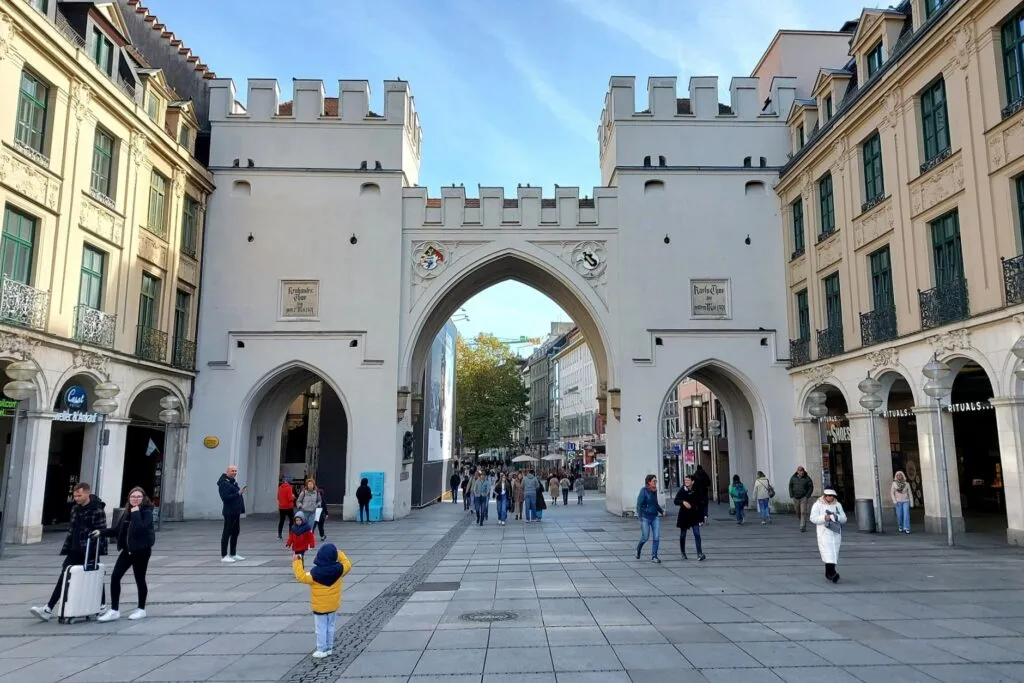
[
  {"x": 438, "y": 586},
  {"x": 593, "y": 531},
  {"x": 489, "y": 615}
]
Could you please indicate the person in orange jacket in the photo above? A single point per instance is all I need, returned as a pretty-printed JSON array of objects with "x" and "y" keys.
[
  {"x": 300, "y": 535},
  {"x": 285, "y": 504}
]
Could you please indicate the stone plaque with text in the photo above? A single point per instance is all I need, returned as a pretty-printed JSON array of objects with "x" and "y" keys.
[
  {"x": 710, "y": 299},
  {"x": 300, "y": 299}
]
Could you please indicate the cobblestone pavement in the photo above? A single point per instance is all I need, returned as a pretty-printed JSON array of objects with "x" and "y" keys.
[{"x": 424, "y": 603}]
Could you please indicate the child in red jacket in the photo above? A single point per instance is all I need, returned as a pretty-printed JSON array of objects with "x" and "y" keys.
[{"x": 300, "y": 535}]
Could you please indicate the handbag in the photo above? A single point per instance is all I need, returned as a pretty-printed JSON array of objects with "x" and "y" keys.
[{"x": 771, "y": 491}]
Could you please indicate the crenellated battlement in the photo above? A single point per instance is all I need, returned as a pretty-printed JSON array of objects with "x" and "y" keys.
[
  {"x": 311, "y": 104},
  {"x": 491, "y": 209}
]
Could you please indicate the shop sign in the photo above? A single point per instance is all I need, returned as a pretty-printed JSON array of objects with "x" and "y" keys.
[
  {"x": 75, "y": 398},
  {"x": 901, "y": 412},
  {"x": 839, "y": 434},
  {"x": 75, "y": 416},
  {"x": 7, "y": 407},
  {"x": 709, "y": 299},
  {"x": 971, "y": 407},
  {"x": 300, "y": 298},
  {"x": 690, "y": 457}
]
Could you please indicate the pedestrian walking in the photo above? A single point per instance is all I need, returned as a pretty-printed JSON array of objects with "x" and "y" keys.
[
  {"x": 541, "y": 503},
  {"x": 691, "y": 511},
  {"x": 363, "y": 496},
  {"x": 801, "y": 487},
  {"x": 702, "y": 485},
  {"x": 553, "y": 487},
  {"x": 285, "y": 504},
  {"x": 828, "y": 516},
  {"x": 502, "y": 494},
  {"x": 87, "y": 516},
  {"x": 319, "y": 524},
  {"x": 465, "y": 490},
  {"x": 649, "y": 510},
  {"x": 136, "y": 537},
  {"x": 300, "y": 535},
  {"x": 902, "y": 500},
  {"x": 517, "y": 494},
  {"x": 453, "y": 484},
  {"x": 564, "y": 484},
  {"x": 232, "y": 509},
  {"x": 310, "y": 502},
  {"x": 739, "y": 497},
  {"x": 481, "y": 496},
  {"x": 578, "y": 485},
  {"x": 763, "y": 494},
  {"x": 324, "y": 581},
  {"x": 531, "y": 486}
]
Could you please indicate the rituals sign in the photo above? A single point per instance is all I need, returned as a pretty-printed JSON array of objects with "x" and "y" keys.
[
  {"x": 709, "y": 299},
  {"x": 300, "y": 299}
]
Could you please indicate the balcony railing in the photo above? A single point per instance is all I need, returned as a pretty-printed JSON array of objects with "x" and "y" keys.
[
  {"x": 23, "y": 305},
  {"x": 878, "y": 326},
  {"x": 151, "y": 344},
  {"x": 94, "y": 327},
  {"x": 830, "y": 341},
  {"x": 945, "y": 304},
  {"x": 184, "y": 355},
  {"x": 797, "y": 253},
  {"x": 1013, "y": 107},
  {"x": 936, "y": 160},
  {"x": 1013, "y": 279},
  {"x": 825, "y": 234},
  {"x": 799, "y": 352}
]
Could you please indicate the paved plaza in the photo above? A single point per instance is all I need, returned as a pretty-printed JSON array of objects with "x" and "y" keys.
[{"x": 434, "y": 598}]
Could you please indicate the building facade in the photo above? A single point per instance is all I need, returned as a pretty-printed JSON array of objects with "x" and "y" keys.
[
  {"x": 103, "y": 203},
  {"x": 902, "y": 218},
  {"x": 580, "y": 428}
]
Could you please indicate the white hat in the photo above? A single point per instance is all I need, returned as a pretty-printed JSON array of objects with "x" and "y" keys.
[{"x": 829, "y": 492}]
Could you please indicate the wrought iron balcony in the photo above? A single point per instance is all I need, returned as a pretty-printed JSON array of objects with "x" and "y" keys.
[
  {"x": 936, "y": 160},
  {"x": 825, "y": 234},
  {"x": 184, "y": 355},
  {"x": 830, "y": 341},
  {"x": 23, "y": 305},
  {"x": 873, "y": 202},
  {"x": 799, "y": 352},
  {"x": 1013, "y": 279},
  {"x": 797, "y": 253},
  {"x": 878, "y": 326},
  {"x": 94, "y": 327},
  {"x": 1013, "y": 107},
  {"x": 151, "y": 344},
  {"x": 945, "y": 304}
]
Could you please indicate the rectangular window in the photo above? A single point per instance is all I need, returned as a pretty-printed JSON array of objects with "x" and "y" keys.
[
  {"x": 827, "y": 205},
  {"x": 828, "y": 108},
  {"x": 798, "y": 227},
  {"x": 800, "y": 136},
  {"x": 102, "y": 51},
  {"x": 189, "y": 226},
  {"x": 947, "y": 257},
  {"x": 185, "y": 137},
  {"x": 875, "y": 60},
  {"x": 157, "y": 204},
  {"x": 153, "y": 107},
  {"x": 881, "y": 280},
  {"x": 934, "y": 121},
  {"x": 803, "y": 315},
  {"x": 33, "y": 100},
  {"x": 1013, "y": 57},
  {"x": 149, "y": 301},
  {"x": 874, "y": 188},
  {"x": 182, "y": 308},
  {"x": 40, "y": 5},
  {"x": 931, "y": 7},
  {"x": 102, "y": 163},
  {"x": 1019, "y": 182},
  {"x": 90, "y": 287},
  {"x": 18, "y": 245},
  {"x": 833, "y": 302}
]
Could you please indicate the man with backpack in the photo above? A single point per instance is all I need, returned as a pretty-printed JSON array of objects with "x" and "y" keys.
[{"x": 739, "y": 497}]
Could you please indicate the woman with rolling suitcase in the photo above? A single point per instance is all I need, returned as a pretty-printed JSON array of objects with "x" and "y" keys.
[{"x": 135, "y": 539}]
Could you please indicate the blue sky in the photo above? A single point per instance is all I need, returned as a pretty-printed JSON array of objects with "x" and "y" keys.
[{"x": 507, "y": 92}]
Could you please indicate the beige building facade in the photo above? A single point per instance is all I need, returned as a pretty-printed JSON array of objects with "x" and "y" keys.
[
  {"x": 902, "y": 209},
  {"x": 103, "y": 202}
]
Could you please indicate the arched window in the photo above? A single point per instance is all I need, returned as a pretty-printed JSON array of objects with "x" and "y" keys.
[
  {"x": 754, "y": 187},
  {"x": 746, "y": 162},
  {"x": 654, "y": 186},
  {"x": 647, "y": 161},
  {"x": 661, "y": 160},
  {"x": 241, "y": 188},
  {"x": 369, "y": 189},
  {"x": 764, "y": 162}
]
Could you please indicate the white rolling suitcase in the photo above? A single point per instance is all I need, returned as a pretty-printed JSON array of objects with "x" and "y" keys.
[{"x": 81, "y": 593}]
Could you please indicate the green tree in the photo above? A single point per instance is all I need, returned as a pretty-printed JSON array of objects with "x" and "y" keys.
[{"x": 490, "y": 398}]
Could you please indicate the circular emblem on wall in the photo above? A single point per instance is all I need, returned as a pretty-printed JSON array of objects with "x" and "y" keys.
[
  {"x": 589, "y": 259},
  {"x": 75, "y": 398},
  {"x": 211, "y": 442},
  {"x": 430, "y": 258}
]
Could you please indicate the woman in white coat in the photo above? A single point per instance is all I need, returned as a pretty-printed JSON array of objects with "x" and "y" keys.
[{"x": 828, "y": 516}]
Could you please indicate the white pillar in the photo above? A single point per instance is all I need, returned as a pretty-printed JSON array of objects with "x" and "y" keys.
[
  {"x": 28, "y": 483},
  {"x": 108, "y": 487},
  {"x": 172, "y": 473},
  {"x": 1010, "y": 425},
  {"x": 928, "y": 421},
  {"x": 863, "y": 467}
]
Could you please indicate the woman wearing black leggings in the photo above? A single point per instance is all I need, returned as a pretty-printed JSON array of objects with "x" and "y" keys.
[{"x": 135, "y": 539}]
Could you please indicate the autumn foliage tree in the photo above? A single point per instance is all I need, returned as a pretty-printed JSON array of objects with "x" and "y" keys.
[{"x": 490, "y": 398}]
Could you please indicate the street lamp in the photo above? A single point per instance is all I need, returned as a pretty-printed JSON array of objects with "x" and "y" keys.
[
  {"x": 938, "y": 388},
  {"x": 714, "y": 430},
  {"x": 817, "y": 409},
  {"x": 1018, "y": 351},
  {"x": 871, "y": 401},
  {"x": 104, "y": 405},
  {"x": 695, "y": 435},
  {"x": 169, "y": 415},
  {"x": 21, "y": 388}
]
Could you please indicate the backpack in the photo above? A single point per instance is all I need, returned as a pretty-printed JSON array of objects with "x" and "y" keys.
[{"x": 771, "y": 490}]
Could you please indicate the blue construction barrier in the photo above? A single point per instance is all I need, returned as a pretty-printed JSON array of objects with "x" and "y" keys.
[{"x": 376, "y": 483}]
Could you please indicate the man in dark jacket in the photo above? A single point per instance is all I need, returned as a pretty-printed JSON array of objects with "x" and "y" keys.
[
  {"x": 702, "y": 487},
  {"x": 801, "y": 486},
  {"x": 234, "y": 508},
  {"x": 87, "y": 515},
  {"x": 454, "y": 484}
]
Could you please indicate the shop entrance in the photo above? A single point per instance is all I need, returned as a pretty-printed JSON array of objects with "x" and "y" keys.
[
  {"x": 979, "y": 467},
  {"x": 836, "y": 456},
  {"x": 72, "y": 447}
]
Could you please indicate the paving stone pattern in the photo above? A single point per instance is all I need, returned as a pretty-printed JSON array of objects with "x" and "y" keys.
[{"x": 759, "y": 609}]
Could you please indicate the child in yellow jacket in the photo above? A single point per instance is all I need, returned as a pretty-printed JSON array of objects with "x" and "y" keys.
[{"x": 325, "y": 588}]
